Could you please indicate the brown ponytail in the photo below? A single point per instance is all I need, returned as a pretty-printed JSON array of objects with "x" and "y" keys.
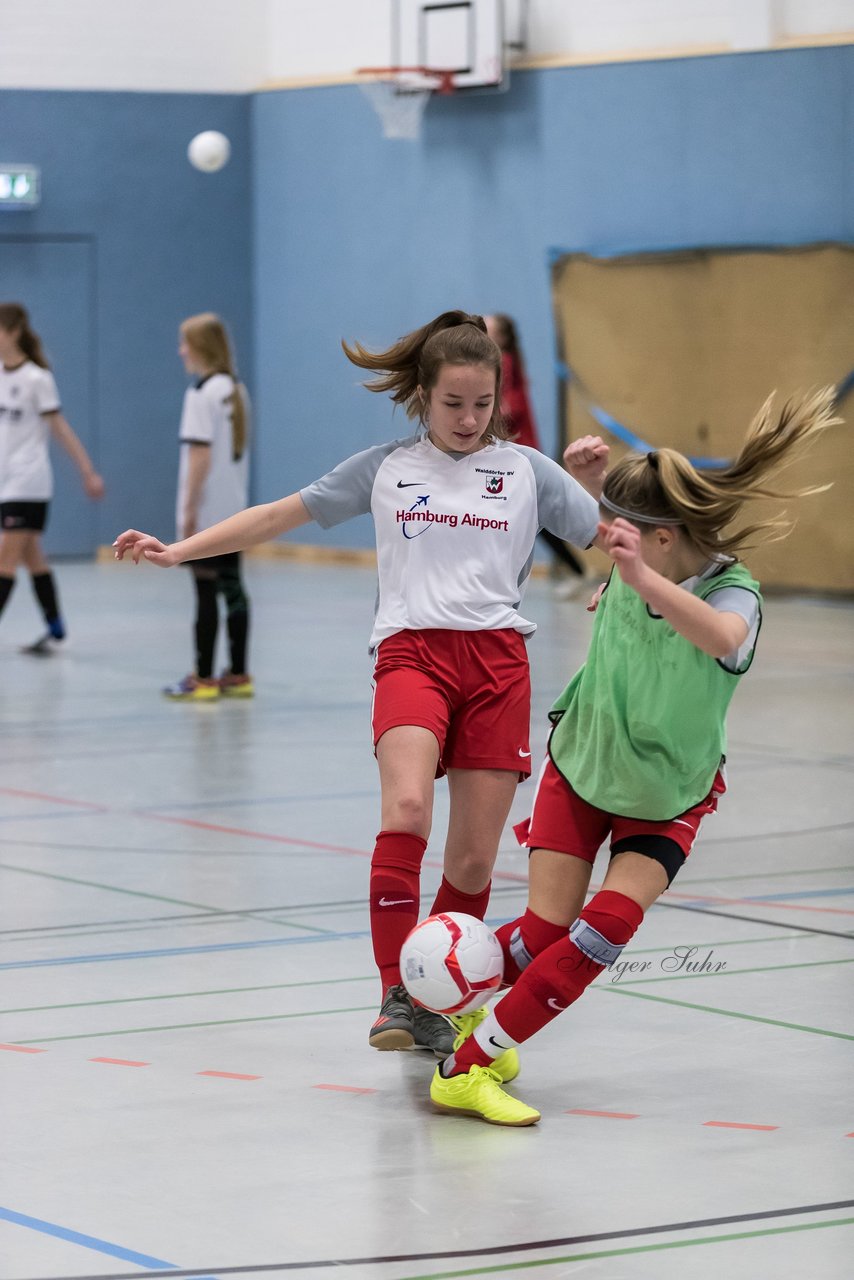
[
  {"x": 14, "y": 319},
  {"x": 415, "y": 360}
]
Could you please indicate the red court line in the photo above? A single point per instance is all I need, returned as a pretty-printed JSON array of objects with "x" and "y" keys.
[
  {"x": 228, "y": 1075},
  {"x": 729, "y": 1124},
  {"x": 40, "y": 795},
  {"x": 256, "y": 835},
  {"x": 754, "y": 902},
  {"x": 342, "y": 1088},
  {"x": 19, "y": 1048},
  {"x": 121, "y": 1062},
  {"x": 611, "y": 1115}
]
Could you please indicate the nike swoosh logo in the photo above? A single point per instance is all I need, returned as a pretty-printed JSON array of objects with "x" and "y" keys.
[
  {"x": 502, "y": 1047},
  {"x": 553, "y": 1004},
  {"x": 396, "y": 902},
  {"x": 524, "y": 754},
  {"x": 411, "y": 484}
]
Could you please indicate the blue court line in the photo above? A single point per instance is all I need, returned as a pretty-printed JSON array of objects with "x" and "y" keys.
[
  {"x": 179, "y": 951},
  {"x": 808, "y": 893},
  {"x": 88, "y": 1242}
]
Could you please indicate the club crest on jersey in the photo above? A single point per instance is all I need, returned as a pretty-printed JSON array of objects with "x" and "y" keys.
[{"x": 494, "y": 484}]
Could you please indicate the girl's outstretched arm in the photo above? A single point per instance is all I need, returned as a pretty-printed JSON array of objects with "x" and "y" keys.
[
  {"x": 246, "y": 529},
  {"x": 717, "y": 634}
]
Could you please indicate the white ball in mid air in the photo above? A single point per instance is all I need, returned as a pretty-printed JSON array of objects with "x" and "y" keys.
[{"x": 209, "y": 151}]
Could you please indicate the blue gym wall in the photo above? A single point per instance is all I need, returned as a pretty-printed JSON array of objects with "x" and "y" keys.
[
  {"x": 364, "y": 238},
  {"x": 164, "y": 241},
  {"x": 320, "y": 229}
]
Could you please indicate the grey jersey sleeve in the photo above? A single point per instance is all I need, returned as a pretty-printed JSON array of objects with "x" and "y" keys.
[
  {"x": 563, "y": 507},
  {"x": 346, "y": 490},
  {"x": 745, "y": 604}
]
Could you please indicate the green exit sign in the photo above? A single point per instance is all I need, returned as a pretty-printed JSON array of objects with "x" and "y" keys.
[{"x": 20, "y": 186}]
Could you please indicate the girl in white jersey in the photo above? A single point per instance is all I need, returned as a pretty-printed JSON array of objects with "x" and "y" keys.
[
  {"x": 213, "y": 483},
  {"x": 456, "y": 509},
  {"x": 29, "y": 415},
  {"x": 637, "y": 750}
]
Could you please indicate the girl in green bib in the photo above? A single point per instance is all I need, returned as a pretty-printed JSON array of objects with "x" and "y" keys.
[{"x": 636, "y": 754}]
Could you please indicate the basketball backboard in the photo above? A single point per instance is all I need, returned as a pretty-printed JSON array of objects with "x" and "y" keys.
[{"x": 465, "y": 36}]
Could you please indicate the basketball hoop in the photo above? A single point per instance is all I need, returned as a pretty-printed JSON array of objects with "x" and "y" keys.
[{"x": 399, "y": 95}]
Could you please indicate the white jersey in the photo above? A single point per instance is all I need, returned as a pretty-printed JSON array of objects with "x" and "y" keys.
[
  {"x": 27, "y": 393},
  {"x": 455, "y": 532},
  {"x": 206, "y": 420}
]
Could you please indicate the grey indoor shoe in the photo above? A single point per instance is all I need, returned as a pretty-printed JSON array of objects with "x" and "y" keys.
[
  {"x": 433, "y": 1031},
  {"x": 395, "y": 1024}
]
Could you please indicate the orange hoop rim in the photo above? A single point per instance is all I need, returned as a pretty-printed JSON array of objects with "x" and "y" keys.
[{"x": 445, "y": 76}]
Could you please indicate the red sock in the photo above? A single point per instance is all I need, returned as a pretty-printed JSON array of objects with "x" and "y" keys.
[
  {"x": 534, "y": 933},
  {"x": 449, "y": 898},
  {"x": 559, "y": 975},
  {"x": 395, "y": 897}
]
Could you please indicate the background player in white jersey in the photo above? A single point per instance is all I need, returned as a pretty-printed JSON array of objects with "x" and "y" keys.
[
  {"x": 213, "y": 483},
  {"x": 456, "y": 510},
  {"x": 29, "y": 415}
]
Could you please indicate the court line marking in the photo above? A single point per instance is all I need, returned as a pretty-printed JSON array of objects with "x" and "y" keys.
[
  {"x": 48, "y": 799},
  {"x": 88, "y": 1242},
  {"x": 317, "y": 982},
  {"x": 120, "y": 1062},
  {"x": 733, "y": 1124},
  {"x": 228, "y": 1075},
  {"x": 51, "y": 962},
  {"x": 758, "y": 902},
  {"x": 608, "y": 1115},
  {"x": 138, "y": 893},
  {"x": 771, "y": 924},
  {"x": 726, "y": 1013},
  {"x": 729, "y": 973},
  {"x": 343, "y": 1088},
  {"x": 526, "y": 1246},
  {"x": 637, "y": 1249}
]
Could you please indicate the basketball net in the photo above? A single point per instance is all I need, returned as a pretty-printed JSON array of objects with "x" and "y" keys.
[{"x": 399, "y": 95}]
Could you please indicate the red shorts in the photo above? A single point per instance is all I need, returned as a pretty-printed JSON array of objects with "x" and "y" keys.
[
  {"x": 471, "y": 689},
  {"x": 562, "y": 821}
]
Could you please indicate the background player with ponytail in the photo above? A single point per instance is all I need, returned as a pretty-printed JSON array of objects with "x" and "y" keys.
[
  {"x": 29, "y": 415},
  {"x": 213, "y": 483},
  {"x": 456, "y": 509},
  {"x": 639, "y": 739}
]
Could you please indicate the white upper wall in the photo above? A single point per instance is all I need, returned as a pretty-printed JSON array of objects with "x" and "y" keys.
[
  {"x": 197, "y": 46},
  {"x": 234, "y": 46}
]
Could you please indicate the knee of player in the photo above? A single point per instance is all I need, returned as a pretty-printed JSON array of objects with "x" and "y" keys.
[{"x": 408, "y": 811}]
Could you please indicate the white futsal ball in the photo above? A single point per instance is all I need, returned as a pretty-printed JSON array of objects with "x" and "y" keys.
[
  {"x": 451, "y": 963},
  {"x": 209, "y": 151}
]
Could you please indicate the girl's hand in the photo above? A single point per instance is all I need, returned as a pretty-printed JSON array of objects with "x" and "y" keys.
[
  {"x": 586, "y": 460},
  {"x": 622, "y": 541},
  {"x": 596, "y": 597},
  {"x": 144, "y": 546},
  {"x": 93, "y": 485}
]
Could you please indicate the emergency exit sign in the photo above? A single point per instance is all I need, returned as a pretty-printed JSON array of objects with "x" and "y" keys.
[{"x": 20, "y": 186}]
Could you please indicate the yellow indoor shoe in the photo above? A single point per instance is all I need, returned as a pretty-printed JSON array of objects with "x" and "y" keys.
[
  {"x": 193, "y": 689},
  {"x": 478, "y": 1092},
  {"x": 506, "y": 1065}
]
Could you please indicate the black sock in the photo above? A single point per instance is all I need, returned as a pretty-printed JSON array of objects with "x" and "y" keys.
[
  {"x": 207, "y": 621},
  {"x": 229, "y": 582},
  {"x": 6, "y": 585},
  {"x": 44, "y": 587},
  {"x": 238, "y": 631}
]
